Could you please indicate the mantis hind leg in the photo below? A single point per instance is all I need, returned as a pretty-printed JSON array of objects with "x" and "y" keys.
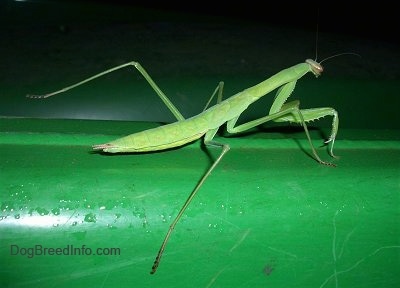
[
  {"x": 142, "y": 71},
  {"x": 208, "y": 142}
]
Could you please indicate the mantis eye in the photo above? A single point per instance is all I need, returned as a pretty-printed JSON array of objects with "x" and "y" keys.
[{"x": 316, "y": 68}]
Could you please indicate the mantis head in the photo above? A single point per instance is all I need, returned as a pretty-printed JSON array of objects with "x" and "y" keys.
[{"x": 316, "y": 68}]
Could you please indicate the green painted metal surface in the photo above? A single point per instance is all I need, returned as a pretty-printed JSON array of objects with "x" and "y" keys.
[{"x": 269, "y": 215}]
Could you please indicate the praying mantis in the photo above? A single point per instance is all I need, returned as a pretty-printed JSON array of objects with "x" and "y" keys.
[{"x": 207, "y": 123}]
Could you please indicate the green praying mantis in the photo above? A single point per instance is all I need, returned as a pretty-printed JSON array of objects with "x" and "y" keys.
[{"x": 207, "y": 123}]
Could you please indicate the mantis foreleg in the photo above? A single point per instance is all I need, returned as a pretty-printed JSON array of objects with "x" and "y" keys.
[
  {"x": 314, "y": 114},
  {"x": 307, "y": 114},
  {"x": 292, "y": 109},
  {"x": 208, "y": 142}
]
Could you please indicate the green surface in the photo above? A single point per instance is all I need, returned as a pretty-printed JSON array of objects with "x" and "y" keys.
[{"x": 268, "y": 216}]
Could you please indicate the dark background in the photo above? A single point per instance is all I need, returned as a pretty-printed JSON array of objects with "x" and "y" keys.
[
  {"x": 378, "y": 20},
  {"x": 187, "y": 48}
]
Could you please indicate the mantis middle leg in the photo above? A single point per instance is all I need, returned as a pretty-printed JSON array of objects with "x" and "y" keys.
[
  {"x": 219, "y": 89},
  {"x": 209, "y": 143}
]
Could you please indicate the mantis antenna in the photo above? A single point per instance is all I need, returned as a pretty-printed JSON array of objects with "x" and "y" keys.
[{"x": 316, "y": 46}]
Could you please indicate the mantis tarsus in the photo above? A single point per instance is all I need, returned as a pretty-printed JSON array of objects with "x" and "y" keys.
[{"x": 210, "y": 120}]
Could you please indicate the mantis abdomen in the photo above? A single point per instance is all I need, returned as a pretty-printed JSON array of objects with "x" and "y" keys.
[{"x": 159, "y": 138}]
